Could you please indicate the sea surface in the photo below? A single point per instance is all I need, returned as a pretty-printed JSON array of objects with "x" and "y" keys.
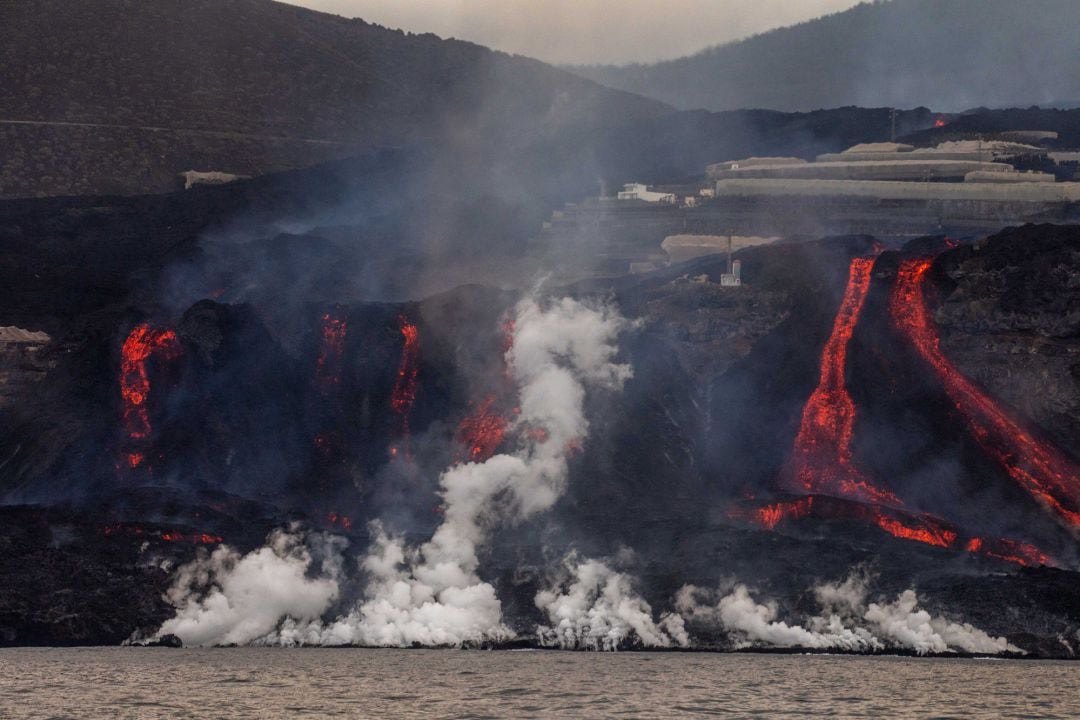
[{"x": 269, "y": 683}]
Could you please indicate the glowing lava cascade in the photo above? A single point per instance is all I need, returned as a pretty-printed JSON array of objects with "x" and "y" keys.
[
  {"x": 328, "y": 370},
  {"x": 329, "y": 364},
  {"x": 141, "y": 344},
  {"x": 484, "y": 431},
  {"x": 433, "y": 593},
  {"x": 404, "y": 394},
  {"x": 1043, "y": 471},
  {"x": 822, "y": 462},
  {"x": 823, "y": 466}
]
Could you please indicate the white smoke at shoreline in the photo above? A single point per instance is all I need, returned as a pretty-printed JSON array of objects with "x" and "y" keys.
[
  {"x": 600, "y": 611},
  {"x": 847, "y": 622},
  {"x": 223, "y": 598},
  {"x": 432, "y": 595}
]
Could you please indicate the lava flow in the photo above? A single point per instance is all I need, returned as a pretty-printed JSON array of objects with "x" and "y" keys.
[
  {"x": 917, "y": 527},
  {"x": 141, "y": 344},
  {"x": 483, "y": 431},
  {"x": 772, "y": 515},
  {"x": 328, "y": 366},
  {"x": 1012, "y": 551},
  {"x": 921, "y": 528},
  {"x": 173, "y": 536},
  {"x": 822, "y": 461},
  {"x": 1040, "y": 469},
  {"x": 404, "y": 394},
  {"x": 338, "y": 520}
]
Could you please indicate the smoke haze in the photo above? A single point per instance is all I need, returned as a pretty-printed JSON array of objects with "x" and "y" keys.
[{"x": 585, "y": 31}]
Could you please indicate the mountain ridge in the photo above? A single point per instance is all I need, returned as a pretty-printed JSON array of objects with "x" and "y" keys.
[
  {"x": 132, "y": 93},
  {"x": 946, "y": 54}
]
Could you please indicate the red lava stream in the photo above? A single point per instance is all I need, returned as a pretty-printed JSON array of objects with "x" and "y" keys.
[{"x": 1040, "y": 469}]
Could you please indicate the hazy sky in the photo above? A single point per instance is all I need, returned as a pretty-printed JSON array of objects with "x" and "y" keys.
[{"x": 586, "y": 31}]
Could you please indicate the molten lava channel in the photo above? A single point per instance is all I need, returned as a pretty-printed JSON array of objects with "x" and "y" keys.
[
  {"x": 904, "y": 525},
  {"x": 824, "y": 468},
  {"x": 332, "y": 352},
  {"x": 142, "y": 343},
  {"x": 822, "y": 460},
  {"x": 1040, "y": 469},
  {"x": 404, "y": 394}
]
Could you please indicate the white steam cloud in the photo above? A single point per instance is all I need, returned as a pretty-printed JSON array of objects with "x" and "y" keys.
[
  {"x": 225, "y": 599},
  {"x": 431, "y": 595},
  {"x": 847, "y": 622},
  {"x": 600, "y": 611}
]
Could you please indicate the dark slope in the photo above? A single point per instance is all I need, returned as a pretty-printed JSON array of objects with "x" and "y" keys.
[
  {"x": 151, "y": 89},
  {"x": 948, "y": 54},
  {"x": 376, "y": 226},
  {"x": 237, "y": 417}
]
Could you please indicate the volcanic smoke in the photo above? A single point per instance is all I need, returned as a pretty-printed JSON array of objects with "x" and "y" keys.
[
  {"x": 141, "y": 344},
  {"x": 848, "y": 622},
  {"x": 1040, "y": 469},
  {"x": 432, "y": 594}
]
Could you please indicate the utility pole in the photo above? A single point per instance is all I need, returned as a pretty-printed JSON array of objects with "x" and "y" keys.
[
  {"x": 892, "y": 117},
  {"x": 731, "y": 232}
]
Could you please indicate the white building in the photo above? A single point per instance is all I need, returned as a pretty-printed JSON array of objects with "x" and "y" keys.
[
  {"x": 638, "y": 191},
  {"x": 733, "y": 278}
]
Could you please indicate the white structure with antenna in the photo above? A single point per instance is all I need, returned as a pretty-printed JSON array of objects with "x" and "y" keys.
[{"x": 733, "y": 276}]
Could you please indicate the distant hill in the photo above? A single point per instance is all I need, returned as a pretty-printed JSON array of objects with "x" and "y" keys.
[
  {"x": 100, "y": 96},
  {"x": 945, "y": 54}
]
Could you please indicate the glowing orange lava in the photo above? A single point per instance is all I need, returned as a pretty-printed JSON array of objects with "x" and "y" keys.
[
  {"x": 1013, "y": 551},
  {"x": 923, "y": 528},
  {"x": 195, "y": 538},
  {"x": 338, "y": 520},
  {"x": 822, "y": 461},
  {"x": 1040, "y": 469},
  {"x": 141, "y": 344},
  {"x": 404, "y": 394},
  {"x": 328, "y": 366},
  {"x": 483, "y": 431},
  {"x": 916, "y": 527},
  {"x": 771, "y": 515}
]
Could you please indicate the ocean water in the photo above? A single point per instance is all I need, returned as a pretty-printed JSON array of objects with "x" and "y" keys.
[{"x": 349, "y": 683}]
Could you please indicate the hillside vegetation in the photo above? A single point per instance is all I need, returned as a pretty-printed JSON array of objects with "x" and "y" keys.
[
  {"x": 121, "y": 95},
  {"x": 945, "y": 54}
]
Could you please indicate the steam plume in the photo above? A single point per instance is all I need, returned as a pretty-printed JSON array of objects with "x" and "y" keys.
[
  {"x": 430, "y": 595},
  {"x": 433, "y": 595},
  {"x": 599, "y": 611},
  {"x": 224, "y": 598},
  {"x": 847, "y": 622}
]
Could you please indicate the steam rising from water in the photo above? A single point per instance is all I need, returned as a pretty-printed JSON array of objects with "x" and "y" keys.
[
  {"x": 225, "y": 598},
  {"x": 599, "y": 611},
  {"x": 432, "y": 594},
  {"x": 846, "y": 623}
]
